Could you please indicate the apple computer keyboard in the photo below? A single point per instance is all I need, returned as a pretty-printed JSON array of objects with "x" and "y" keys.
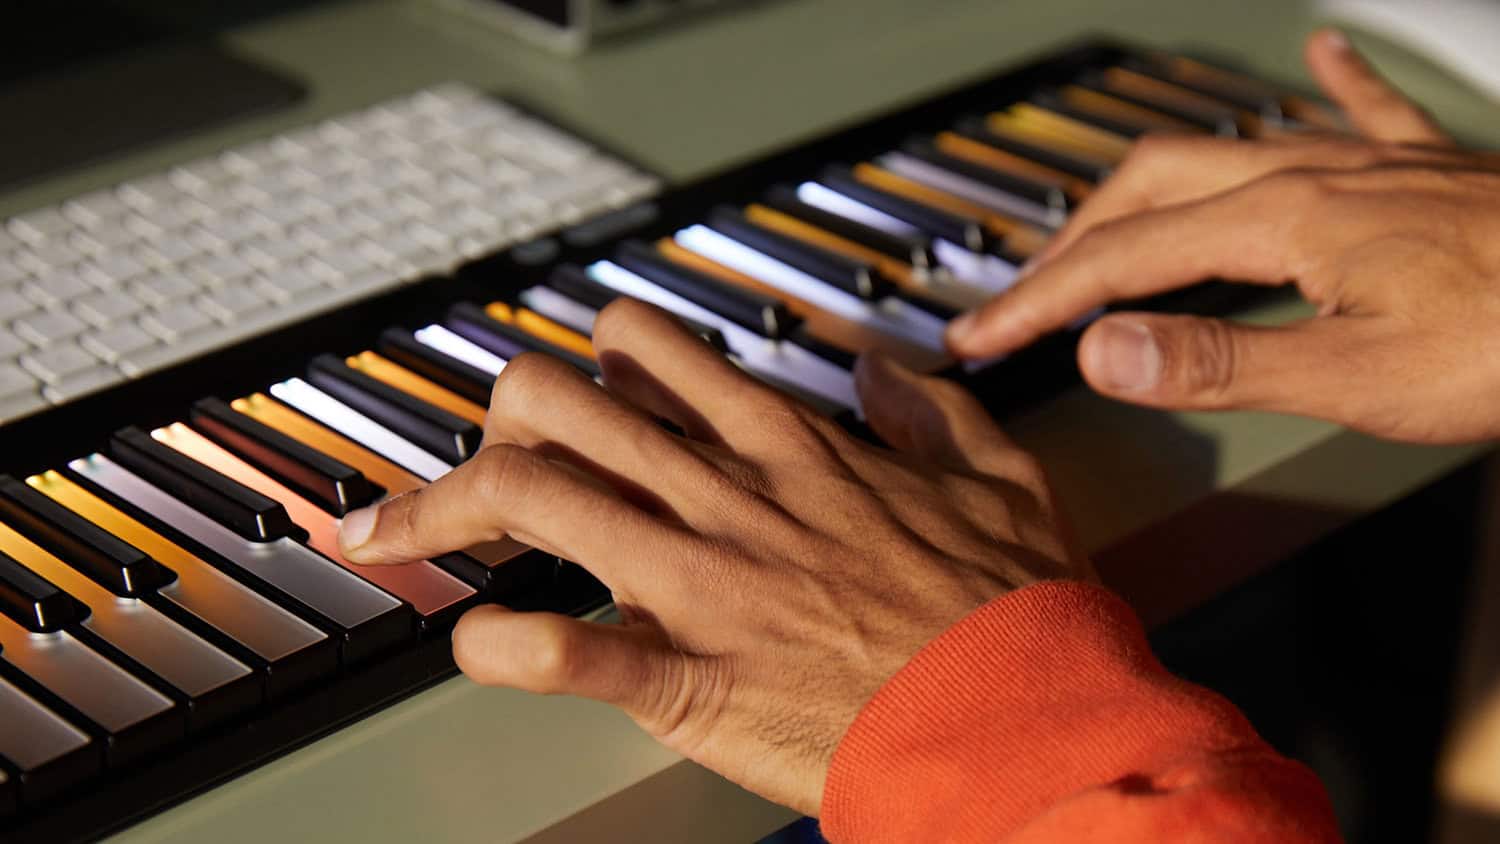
[{"x": 118, "y": 283}]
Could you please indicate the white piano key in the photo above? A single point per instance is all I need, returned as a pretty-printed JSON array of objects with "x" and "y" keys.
[
  {"x": 441, "y": 339},
  {"x": 31, "y": 735},
  {"x": 830, "y": 200},
  {"x": 285, "y": 564},
  {"x": 785, "y": 361},
  {"x": 987, "y": 195},
  {"x": 360, "y": 428},
  {"x": 889, "y": 315},
  {"x": 559, "y": 308}
]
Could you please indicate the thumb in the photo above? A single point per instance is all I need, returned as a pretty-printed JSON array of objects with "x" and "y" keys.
[
  {"x": 545, "y": 653},
  {"x": 1373, "y": 105},
  {"x": 1194, "y": 363}
]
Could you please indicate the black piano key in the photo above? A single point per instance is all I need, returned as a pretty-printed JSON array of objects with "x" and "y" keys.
[
  {"x": 337, "y": 487},
  {"x": 471, "y": 322},
  {"x": 848, "y": 275},
  {"x": 914, "y": 249},
  {"x": 1217, "y": 121},
  {"x": 1252, "y": 95},
  {"x": 118, "y": 566},
  {"x": 41, "y": 753},
  {"x": 762, "y": 314},
  {"x": 1047, "y": 196},
  {"x": 974, "y": 129},
  {"x": 33, "y": 601},
  {"x": 444, "y": 434},
  {"x": 468, "y": 381},
  {"x": 937, "y": 309},
  {"x": 1050, "y": 101},
  {"x": 573, "y": 281},
  {"x": 967, "y": 233},
  {"x": 232, "y": 504}
]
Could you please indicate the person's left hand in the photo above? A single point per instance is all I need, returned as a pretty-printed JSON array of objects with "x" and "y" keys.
[{"x": 772, "y": 571}]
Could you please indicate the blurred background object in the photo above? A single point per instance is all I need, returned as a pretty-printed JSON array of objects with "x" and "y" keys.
[
  {"x": 1459, "y": 35},
  {"x": 571, "y": 26}
]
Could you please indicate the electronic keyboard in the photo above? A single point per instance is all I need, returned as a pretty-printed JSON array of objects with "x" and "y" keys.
[{"x": 174, "y": 610}]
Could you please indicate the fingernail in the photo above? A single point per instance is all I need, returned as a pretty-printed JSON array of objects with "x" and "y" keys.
[
  {"x": 356, "y": 528},
  {"x": 961, "y": 327},
  {"x": 1127, "y": 355},
  {"x": 1337, "y": 40}
]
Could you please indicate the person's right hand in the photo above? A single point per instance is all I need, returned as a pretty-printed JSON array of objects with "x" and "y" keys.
[{"x": 1396, "y": 237}]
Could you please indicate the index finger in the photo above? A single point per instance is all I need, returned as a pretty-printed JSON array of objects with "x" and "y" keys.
[
  {"x": 504, "y": 491},
  {"x": 1245, "y": 234}
]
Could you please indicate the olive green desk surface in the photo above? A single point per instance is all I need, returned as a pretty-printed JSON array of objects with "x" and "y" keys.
[{"x": 1185, "y": 504}]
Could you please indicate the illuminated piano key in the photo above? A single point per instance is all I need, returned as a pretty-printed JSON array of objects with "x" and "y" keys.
[
  {"x": 136, "y": 719},
  {"x": 50, "y": 754},
  {"x": 984, "y": 155},
  {"x": 1117, "y": 109},
  {"x": 338, "y": 487},
  {"x": 543, "y": 328},
  {"x": 114, "y": 564},
  {"x": 358, "y": 427},
  {"x": 368, "y": 620},
  {"x": 501, "y": 575},
  {"x": 820, "y": 325},
  {"x": 1029, "y": 140},
  {"x": 910, "y": 255},
  {"x": 215, "y": 685},
  {"x": 951, "y": 179},
  {"x": 892, "y": 316},
  {"x": 561, "y": 309},
  {"x": 409, "y": 382},
  {"x": 438, "y": 338},
  {"x": 762, "y": 314},
  {"x": 452, "y": 438},
  {"x": 33, "y": 600},
  {"x": 1184, "y": 103},
  {"x": 292, "y": 651},
  {"x": 1105, "y": 143},
  {"x": 277, "y": 416},
  {"x": 856, "y": 277},
  {"x": 1082, "y": 167},
  {"x": 434, "y": 594},
  {"x": 830, "y": 200},
  {"x": 906, "y": 200},
  {"x": 785, "y": 361},
  {"x": 402, "y": 347},
  {"x": 476, "y": 325},
  {"x": 1016, "y": 237},
  {"x": 1240, "y": 90}
]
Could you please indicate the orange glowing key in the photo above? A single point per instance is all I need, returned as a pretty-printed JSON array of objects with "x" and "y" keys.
[
  {"x": 1104, "y": 144},
  {"x": 1020, "y": 238},
  {"x": 985, "y": 155},
  {"x": 900, "y": 272},
  {"x": 1114, "y": 108},
  {"x": 1009, "y": 128},
  {"x": 1129, "y": 83},
  {"x": 542, "y": 328},
  {"x": 273, "y": 414},
  {"x": 426, "y": 587},
  {"x": 413, "y": 384}
]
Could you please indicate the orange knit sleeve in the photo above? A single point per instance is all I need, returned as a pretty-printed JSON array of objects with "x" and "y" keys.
[{"x": 1044, "y": 717}]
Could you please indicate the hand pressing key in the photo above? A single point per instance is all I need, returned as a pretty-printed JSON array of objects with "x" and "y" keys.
[
  {"x": 772, "y": 571},
  {"x": 1394, "y": 236}
]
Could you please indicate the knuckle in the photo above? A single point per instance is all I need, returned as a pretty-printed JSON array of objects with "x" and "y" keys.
[
  {"x": 552, "y": 660},
  {"x": 1207, "y": 362},
  {"x": 524, "y": 379},
  {"x": 502, "y": 472}
]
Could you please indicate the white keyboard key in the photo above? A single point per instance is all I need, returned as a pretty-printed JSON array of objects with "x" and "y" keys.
[
  {"x": 39, "y": 258},
  {"x": 183, "y": 348},
  {"x": 112, "y": 269},
  {"x": 107, "y": 307},
  {"x": 20, "y": 404},
  {"x": 175, "y": 322},
  {"x": 202, "y": 175},
  {"x": 287, "y": 283},
  {"x": 13, "y": 304},
  {"x": 218, "y": 269},
  {"x": 150, "y": 192},
  {"x": 95, "y": 208},
  {"x": 10, "y": 271},
  {"x": 55, "y": 288},
  {"x": 231, "y": 303},
  {"x": 107, "y": 235},
  {"x": 81, "y": 384},
  {"x": 117, "y": 341},
  {"x": 46, "y": 327},
  {"x": 14, "y": 380},
  {"x": 166, "y": 250},
  {"x": 160, "y": 289},
  {"x": 39, "y": 225},
  {"x": 58, "y": 361},
  {"x": 11, "y": 345}
]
